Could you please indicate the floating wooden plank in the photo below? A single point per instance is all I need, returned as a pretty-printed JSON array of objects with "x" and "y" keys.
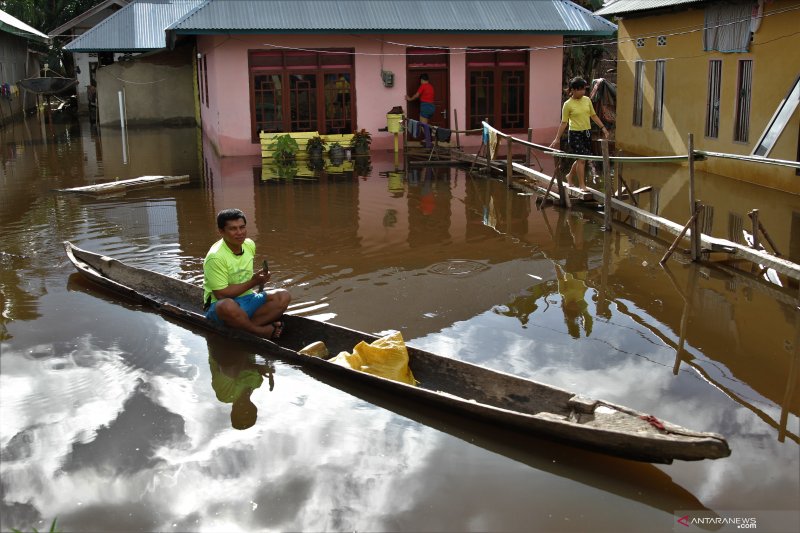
[{"x": 122, "y": 186}]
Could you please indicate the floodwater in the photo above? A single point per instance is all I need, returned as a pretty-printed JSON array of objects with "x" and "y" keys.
[{"x": 113, "y": 418}]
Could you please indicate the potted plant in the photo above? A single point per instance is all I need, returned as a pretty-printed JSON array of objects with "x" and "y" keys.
[
  {"x": 315, "y": 164},
  {"x": 283, "y": 170},
  {"x": 360, "y": 142},
  {"x": 285, "y": 148},
  {"x": 362, "y": 166},
  {"x": 315, "y": 147},
  {"x": 336, "y": 153}
]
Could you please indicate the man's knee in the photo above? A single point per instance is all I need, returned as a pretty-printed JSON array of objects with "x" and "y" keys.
[
  {"x": 282, "y": 298},
  {"x": 226, "y": 308}
]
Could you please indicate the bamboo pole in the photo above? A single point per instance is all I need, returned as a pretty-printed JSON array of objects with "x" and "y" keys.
[
  {"x": 607, "y": 185},
  {"x": 680, "y": 236}
]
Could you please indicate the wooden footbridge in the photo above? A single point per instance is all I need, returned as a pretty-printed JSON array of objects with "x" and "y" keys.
[{"x": 522, "y": 176}]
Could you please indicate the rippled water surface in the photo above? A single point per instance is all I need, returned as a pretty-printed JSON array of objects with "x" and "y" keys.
[{"x": 113, "y": 418}]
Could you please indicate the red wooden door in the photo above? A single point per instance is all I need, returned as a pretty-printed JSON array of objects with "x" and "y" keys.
[{"x": 439, "y": 79}]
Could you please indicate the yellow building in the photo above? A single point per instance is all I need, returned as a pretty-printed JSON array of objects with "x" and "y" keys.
[{"x": 726, "y": 71}]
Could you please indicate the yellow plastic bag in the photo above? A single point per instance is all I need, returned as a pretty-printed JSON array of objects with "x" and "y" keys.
[{"x": 387, "y": 357}]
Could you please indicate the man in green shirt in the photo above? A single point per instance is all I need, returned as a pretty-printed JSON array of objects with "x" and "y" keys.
[{"x": 228, "y": 282}]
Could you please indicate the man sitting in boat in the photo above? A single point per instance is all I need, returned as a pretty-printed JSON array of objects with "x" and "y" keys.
[{"x": 228, "y": 282}]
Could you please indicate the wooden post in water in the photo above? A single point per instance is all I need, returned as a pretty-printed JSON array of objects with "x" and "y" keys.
[
  {"x": 509, "y": 160},
  {"x": 528, "y": 151},
  {"x": 754, "y": 217},
  {"x": 699, "y": 222},
  {"x": 680, "y": 236},
  {"x": 607, "y": 185},
  {"x": 695, "y": 235}
]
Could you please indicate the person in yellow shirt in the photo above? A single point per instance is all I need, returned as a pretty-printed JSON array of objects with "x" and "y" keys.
[
  {"x": 575, "y": 114},
  {"x": 228, "y": 282}
]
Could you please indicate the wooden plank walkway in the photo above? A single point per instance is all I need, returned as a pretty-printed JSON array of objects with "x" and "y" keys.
[
  {"x": 708, "y": 243},
  {"x": 123, "y": 186}
]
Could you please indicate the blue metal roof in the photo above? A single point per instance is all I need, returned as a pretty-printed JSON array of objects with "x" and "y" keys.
[
  {"x": 441, "y": 16},
  {"x": 137, "y": 27}
]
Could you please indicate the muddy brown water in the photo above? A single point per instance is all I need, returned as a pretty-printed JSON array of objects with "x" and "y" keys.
[{"x": 113, "y": 418}]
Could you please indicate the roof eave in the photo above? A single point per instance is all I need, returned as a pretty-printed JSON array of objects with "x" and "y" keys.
[
  {"x": 115, "y": 50},
  {"x": 389, "y": 31},
  {"x": 86, "y": 14}
]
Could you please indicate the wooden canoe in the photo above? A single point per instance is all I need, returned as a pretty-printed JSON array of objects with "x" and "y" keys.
[{"x": 444, "y": 383}]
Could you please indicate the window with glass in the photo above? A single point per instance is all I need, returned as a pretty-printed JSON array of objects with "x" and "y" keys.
[
  {"x": 638, "y": 96},
  {"x": 744, "y": 84},
  {"x": 712, "y": 101},
  {"x": 302, "y": 91},
  {"x": 658, "y": 104},
  {"x": 497, "y": 88}
]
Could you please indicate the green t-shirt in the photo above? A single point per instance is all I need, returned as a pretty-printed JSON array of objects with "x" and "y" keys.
[
  {"x": 577, "y": 113},
  {"x": 229, "y": 389},
  {"x": 222, "y": 268}
]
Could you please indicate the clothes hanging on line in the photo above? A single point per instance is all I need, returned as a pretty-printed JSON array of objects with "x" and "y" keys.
[
  {"x": 413, "y": 127},
  {"x": 426, "y": 129},
  {"x": 443, "y": 134}
]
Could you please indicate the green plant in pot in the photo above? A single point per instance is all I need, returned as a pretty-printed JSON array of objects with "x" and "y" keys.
[
  {"x": 285, "y": 148},
  {"x": 315, "y": 147},
  {"x": 360, "y": 142},
  {"x": 286, "y": 170},
  {"x": 315, "y": 164},
  {"x": 362, "y": 166},
  {"x": 336, "y": 153}
]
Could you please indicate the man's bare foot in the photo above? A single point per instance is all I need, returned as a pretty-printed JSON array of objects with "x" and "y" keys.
[{"x": 268, "y": 331}]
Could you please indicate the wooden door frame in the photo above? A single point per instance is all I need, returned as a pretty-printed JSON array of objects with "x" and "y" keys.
[{"x": 413, "y": 72}]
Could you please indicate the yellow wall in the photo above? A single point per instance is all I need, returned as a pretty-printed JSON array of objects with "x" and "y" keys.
[{"x": 775, "y": 52}]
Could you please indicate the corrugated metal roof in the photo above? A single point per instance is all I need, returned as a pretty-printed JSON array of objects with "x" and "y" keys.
[
  {"x": 64, "y": 28},
  {"x": 13, "y": 25},
  {"x": 317, "y": 16},
  {"x": 620, "y": 7},
  {"x": 137, "y": 27}
]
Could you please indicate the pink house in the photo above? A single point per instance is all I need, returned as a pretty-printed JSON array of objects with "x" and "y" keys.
[{"x": 336, "y": 66}]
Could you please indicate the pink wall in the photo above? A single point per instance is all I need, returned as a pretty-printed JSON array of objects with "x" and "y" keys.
[{"x": 226, "y": 119}]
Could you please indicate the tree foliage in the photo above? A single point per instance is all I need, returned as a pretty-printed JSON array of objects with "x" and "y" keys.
[
  {"x": 585, "y": 57},
  {"x": 46, "y": 15}
]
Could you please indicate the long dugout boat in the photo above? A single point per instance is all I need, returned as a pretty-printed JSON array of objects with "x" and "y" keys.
[{"x": 444, "y": 383}]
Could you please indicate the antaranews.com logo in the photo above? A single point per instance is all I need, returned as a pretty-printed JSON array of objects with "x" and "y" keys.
[{"x": 739, "y": 522}]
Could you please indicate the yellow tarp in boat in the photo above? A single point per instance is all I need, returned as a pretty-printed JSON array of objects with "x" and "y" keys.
[{"x": 387, "y": 357}]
